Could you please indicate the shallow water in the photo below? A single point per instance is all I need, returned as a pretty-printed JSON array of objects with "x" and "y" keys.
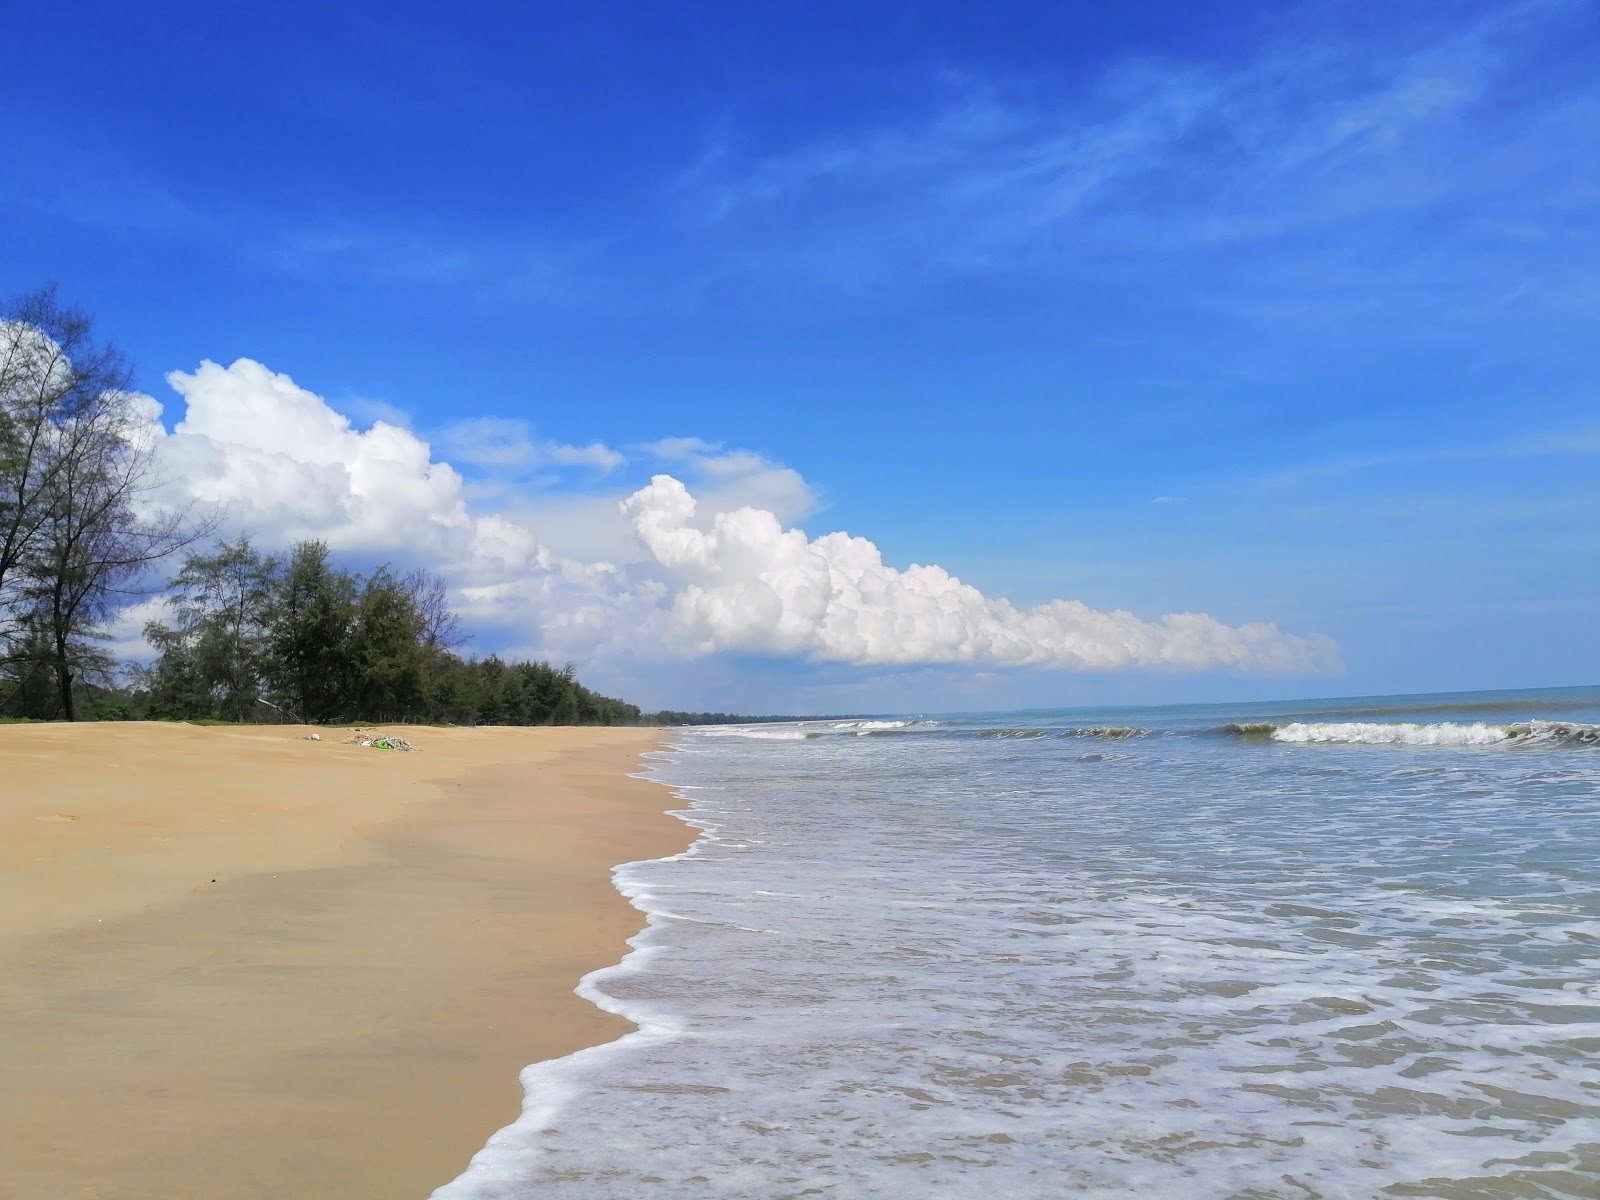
[{"x": 1105, "y": 954}]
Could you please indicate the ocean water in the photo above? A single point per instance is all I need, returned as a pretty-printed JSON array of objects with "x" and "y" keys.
[{"x": 1335, "y": 949}]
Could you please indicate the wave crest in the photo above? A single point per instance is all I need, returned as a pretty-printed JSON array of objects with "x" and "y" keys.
[
  {"x": 762, "y": 735},
  {"x": 1413, "y": 733},
  {"x": 1110, "y": 733}
]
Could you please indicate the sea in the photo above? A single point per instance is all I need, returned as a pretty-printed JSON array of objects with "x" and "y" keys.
[{"x": 1336, "y": 948}]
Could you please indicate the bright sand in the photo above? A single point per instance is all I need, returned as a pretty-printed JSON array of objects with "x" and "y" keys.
[{"x": 238, "y": 963}]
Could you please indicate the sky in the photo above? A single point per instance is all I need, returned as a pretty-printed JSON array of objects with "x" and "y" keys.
[{"x": 894, "y": 357}]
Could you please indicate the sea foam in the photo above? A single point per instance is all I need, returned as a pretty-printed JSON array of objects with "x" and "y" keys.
[
  {"x": 1441, "y": 733},
  {"x": 910, "y": 967}
]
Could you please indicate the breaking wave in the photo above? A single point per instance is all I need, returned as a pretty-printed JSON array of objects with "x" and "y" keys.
[
  {"x": 869, "y": 728},
  {"x": 1411, "y": 733},
  {"x": 763, "y": 735},
  {"x": 1110, "y": 733},
  {"x": 1464, "y": 734},
  {"x": 806, "y": 731}
]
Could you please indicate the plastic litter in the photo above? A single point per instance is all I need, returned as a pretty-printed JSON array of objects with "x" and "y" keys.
[{"x": 365, "y": 737}]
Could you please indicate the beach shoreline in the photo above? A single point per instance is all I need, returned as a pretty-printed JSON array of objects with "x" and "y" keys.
[{"x": 235, "y": 962}]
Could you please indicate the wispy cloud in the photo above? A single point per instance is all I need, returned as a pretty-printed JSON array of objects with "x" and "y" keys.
[
  {"x": 1360, "y": 157},
  {"x": 369, "y": 410},
  {"x": 504, "y": 263},
  {"x": 1539, "y": 445},
  {"x": 101, "y": 186},
  {"x": 507, "y": 442},
  {"x": 97, "y": 184},
  {"x": 708, "y": 458},
  {"x": 1432, "y": 154}
]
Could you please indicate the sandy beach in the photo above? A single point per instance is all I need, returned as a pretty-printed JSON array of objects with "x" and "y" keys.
[{"x": 238, "y": 963}]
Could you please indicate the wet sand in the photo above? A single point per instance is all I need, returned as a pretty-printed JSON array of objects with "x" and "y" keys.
[{"x": 237, "y": 963}]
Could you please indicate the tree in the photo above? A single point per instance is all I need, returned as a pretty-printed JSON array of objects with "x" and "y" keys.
[
  {"x": 250, "y": 637},
  {"x": 389, "y": 651},
  {"x": 214, "y": 661},
  {"x": 52, "y": 375},
  {"x": 76, "y": 475},
  {"x": 441, "y": 631},
  {"x": 310, "y": 636},
  {"x": 93, "y": 543}
]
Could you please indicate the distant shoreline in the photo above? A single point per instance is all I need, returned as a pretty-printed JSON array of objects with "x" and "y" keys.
[{"x": 236, "y": 962}]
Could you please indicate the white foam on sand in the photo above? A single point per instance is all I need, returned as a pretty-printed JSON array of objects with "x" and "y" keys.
[{"x": 908, "y": 967}]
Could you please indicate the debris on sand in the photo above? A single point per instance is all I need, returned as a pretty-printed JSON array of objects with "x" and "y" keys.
[{"x": 366, "y": 737}]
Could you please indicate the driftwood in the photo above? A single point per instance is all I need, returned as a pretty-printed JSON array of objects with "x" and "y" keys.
[{"x": 290, "y": 717}]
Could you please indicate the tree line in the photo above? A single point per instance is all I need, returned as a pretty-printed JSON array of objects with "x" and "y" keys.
[
  {"x": 257, "y": 638},
  {"x": 249, "y": 637}
]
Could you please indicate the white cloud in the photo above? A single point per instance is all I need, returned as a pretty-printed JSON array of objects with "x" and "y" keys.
[
  {"x": 748, "y": 584},
  {"x": 281, "y": 461},
  {"x": 679, "y": 449},
  {"x": 509, "y": 442},
  {"x": 1557, "y": 443},
  {"x": 490, "y": 441},
  {"x": 125, "y": 635},
  {"x": 595, "y": 454},
  {"x": 366, "y": 410},
  {"x": 685, "y": 575},
  {"x": 1301, "y": 170},
  {"x": 709, "y": 458},
  {"x": 736, "y": 478}
]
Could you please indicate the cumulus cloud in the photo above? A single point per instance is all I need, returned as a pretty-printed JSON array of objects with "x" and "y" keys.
[
  {"x": 736, "y": 478},
  {"x": 281, "y": 463},
  {"x": 279, "y": 457},
  {"x": 748, "y": 584},
  {"x": 719, "y": 569}
]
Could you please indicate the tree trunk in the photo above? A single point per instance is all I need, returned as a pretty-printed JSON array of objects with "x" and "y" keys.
[
  {"x": 61, "y": 634},
  {"x": 64, "y": 681}
]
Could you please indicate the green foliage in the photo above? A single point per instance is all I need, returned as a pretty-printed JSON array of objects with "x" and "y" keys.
[
  {"x": 255, "y": 639},
  {"x": 31, "y": 682},
  {"x": 669, "y": 716},
  {"x": 76, "y": 533},
  {"x": 248, "y": 638},
  {"x": 311, "y": 650},
  {"x": 104, "y": 704},
  {"x": 388, "y": 651},
  {"x": 213, "y": 659}
]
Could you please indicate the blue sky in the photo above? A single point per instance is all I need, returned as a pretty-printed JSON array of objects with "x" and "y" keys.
[{"x": 1278, "y": 313}]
